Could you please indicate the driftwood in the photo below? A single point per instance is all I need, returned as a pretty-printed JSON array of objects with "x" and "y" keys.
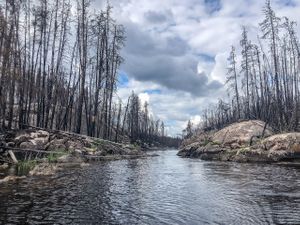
[
  {"x": 30, "y": 150},
  {"x": 69, "y": 134},
  {"x": 13, "y": 157}
]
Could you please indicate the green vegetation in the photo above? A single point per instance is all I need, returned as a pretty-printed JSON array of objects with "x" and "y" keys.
[
  {"x": 53, "y": 157},
  {"x": 97, "y": 143},
  {"x": 135, "y": 145},
  {"x": 23, "y": 167},
  {"x": 206, "y": 142},
  {"x": 215, "y": 143},
  {"x": 243, "y": 150}
]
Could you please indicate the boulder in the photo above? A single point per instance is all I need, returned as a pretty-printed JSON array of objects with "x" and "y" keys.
[
  {"x": 70, "y": 159},
  {"x": 38, "y": 139},
  {"x": 73, "y": 145},
  {"x": 56, "y": 144},
  {"x": 27, "y": 145},
  {"x": 241, "y": 134},
  {"x": 188, "y": 151},
  {"x": 22, "y": 138},
  {"x": 39, "y": 134},
  {"x": 288, "y": 142}
]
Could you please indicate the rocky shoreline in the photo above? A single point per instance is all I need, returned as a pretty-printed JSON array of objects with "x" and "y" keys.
[
  {"x": 247, "y": 141},
  {"x": 52, "y": 151}
]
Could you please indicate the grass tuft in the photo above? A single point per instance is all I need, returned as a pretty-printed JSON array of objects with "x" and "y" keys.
[
  {"x": 53, "y": 157},
  {"x": 24, "y": 167}
]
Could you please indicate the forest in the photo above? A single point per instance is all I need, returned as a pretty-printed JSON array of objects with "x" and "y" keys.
[
  {"x": 262, "y": 79},
  {"x": 59, "y": 67}
]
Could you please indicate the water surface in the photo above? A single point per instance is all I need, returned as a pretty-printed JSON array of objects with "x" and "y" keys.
[{"x": 159, "y": 190}]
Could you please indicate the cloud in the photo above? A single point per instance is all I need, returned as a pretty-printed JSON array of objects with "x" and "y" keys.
[
  {"x": 157, "y": 17},
  {"x": 173, "y": 107},
  {"x": 144, "y": 97},
  {"x": 219, "y": 70},
  {"x": 165, "y": 61},
  {"x": 176, "y": 51},
  {"x": 196, "y": 120}
]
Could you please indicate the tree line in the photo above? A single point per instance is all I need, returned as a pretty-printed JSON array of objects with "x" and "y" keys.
[
  {"x": 142, "y": 125},
  {"x": 263, "y": 79},
  {"x": 59, "y": 70}
]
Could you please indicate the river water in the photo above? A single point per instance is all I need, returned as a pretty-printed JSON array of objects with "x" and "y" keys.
[{"x": 165, "y": 189}]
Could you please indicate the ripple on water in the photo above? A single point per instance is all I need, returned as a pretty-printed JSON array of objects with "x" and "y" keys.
[{"x": 158, "y": 190}]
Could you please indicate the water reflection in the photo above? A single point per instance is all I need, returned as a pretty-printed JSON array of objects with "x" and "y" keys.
[{"x": 160, "y": 190}]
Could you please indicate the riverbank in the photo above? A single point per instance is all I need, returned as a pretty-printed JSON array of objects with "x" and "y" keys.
[
  {"x": 247, "y": 141},
  {"x": 158, "y": 190},
  {"x": 41, "y": 152}
]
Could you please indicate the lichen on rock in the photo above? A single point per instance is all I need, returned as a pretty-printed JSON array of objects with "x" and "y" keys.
[{"x": 247, "y": 141}]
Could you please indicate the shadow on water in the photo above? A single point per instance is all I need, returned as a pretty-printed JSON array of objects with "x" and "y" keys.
[{"x": 157, "y": 190}]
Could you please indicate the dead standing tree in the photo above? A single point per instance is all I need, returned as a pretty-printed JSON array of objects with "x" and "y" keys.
[{"x": 270, "y": 78}]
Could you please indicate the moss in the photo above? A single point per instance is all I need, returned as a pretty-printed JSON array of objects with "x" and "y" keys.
[
  {"x": 24, "y": 167},
  {"x": 206, "y": 142},
  {"x": 92, "y": 149},
  {"x": 215, "y": 143},
  {"x": 96, "y": 143},
  {"x": 243, "y": 150},
  {"x": 53, "y": 157}
]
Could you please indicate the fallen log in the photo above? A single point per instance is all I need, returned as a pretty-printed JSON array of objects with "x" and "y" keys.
[
  {"x": 30, "y": 150},
  {"x": 12, "y": 156},
  {"x": 68, "y": 133}
]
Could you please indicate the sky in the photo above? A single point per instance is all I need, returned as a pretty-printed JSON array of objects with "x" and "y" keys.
[{"x": 176, "y": 51}]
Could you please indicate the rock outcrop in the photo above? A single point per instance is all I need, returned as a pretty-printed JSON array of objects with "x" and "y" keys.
[
  {"x": 248, "y": 141},
  {"x": 240, "y": 134},
  {"x": 62, "y": 147}
]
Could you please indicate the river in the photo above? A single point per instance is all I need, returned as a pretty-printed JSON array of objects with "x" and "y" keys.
[{"x": 165, "y": 189}]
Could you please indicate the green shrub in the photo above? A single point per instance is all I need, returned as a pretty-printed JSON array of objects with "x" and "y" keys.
[
  {"x": 97, "y": 143},
  {"x": 53, "y": 157},
  {"x": 135, "y": 145},
  {"x": 24, "y": 167},
  {"x": 243, "y": 150}
]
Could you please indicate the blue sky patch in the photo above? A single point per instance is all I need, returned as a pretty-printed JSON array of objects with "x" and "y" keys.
[
  {"x": 206, "y": 57},
  {"x": 212, "y": 5},
  {"x": 123, "y": 79},
  {"x": 290, "y": 3}
]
